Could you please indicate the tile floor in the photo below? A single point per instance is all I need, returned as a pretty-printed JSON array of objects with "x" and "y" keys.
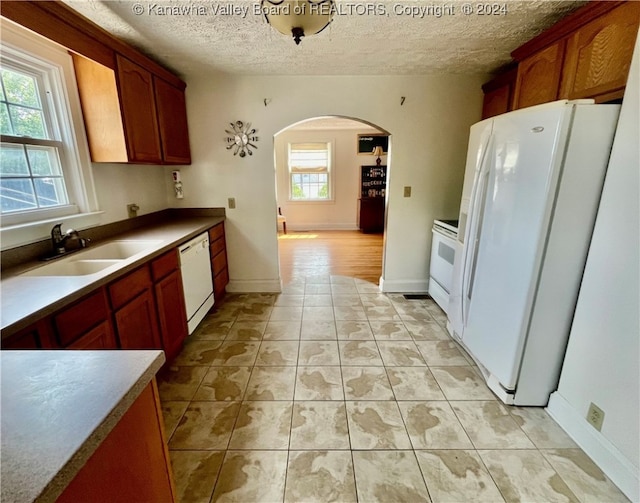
[{"x": 332, "y": 391}]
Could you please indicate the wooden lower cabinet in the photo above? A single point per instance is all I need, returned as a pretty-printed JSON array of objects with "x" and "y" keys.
[
  {"x": 171, "y": 314},
  {"x": 219, "y": 266},
  {"x": 371, "y": 214},
  {"x": 136, "y": 323},
  {"x": 101, "y": 337},
  {"x": 132, "y": 463},
  {"x": 29, "y": 338}
]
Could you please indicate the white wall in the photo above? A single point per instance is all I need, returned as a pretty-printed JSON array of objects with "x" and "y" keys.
[
  {"x": 120, "y": 184},
  {"x": 342, "y": 211},
  {"x": 429, "y": 141},
  {"x": 602, "y": 363}
]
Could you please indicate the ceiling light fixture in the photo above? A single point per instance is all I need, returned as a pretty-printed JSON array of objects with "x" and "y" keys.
[{"x": 298, "y": 18}]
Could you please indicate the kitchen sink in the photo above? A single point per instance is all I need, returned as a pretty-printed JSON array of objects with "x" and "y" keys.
[
  {"x": 93, "y": 260},
  {"x": 117, "y": 250},
  {"x": 71, "y": 268}
]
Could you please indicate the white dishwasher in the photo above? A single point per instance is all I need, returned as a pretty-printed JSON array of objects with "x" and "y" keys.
[{"x": 195, "y": 267}]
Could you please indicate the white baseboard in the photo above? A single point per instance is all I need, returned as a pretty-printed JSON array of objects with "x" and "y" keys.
[
  {"x": 254, "y": 286},
  {"x": 611, "y": 461},
  {"x": 321, "y": 226},
  {"x": 404, "y": 285}
]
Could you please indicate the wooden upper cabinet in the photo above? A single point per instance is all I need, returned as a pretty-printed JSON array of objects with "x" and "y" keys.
[
  {"x": 131, "y": 115},
  {"x": 585, "y": 55},
  {"x": 538, "y": 78},
  {"x": 172, "y": 121},
  {"x": 137, "y": 100},
  {"x": 499, "y": 94},
  {"x": 598, "y": 55}
]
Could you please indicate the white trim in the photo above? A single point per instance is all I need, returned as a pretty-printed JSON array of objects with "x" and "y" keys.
[
  {"x": 404, "y": 285},
  {"x": 253, "y": 286},
  {"x": 611, "y": 461}
]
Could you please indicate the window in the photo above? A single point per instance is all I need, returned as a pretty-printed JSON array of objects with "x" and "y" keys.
[
  {"x": 31, "y": 176},
  {"x": 309, "y": 171},
  {"x": 45, "y": 169}
]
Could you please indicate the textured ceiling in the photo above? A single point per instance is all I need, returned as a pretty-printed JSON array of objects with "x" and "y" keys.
[{"x": 207, "y": 36}]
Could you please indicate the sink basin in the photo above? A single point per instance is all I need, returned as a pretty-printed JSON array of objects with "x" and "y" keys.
[
  {"x": 71, "y": 268},
  {"x": 117, "y": 250}
]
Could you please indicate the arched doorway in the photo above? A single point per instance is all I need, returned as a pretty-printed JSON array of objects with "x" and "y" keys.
[{"x": 331, "y": 193}]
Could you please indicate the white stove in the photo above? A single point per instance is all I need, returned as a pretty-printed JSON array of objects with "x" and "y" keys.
[{"x": 443, "y": 251}]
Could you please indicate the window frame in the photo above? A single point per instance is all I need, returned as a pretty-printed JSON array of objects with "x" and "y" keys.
[
  {"x": 53, "y": 68},
  {"x": 329, "y": 171}
]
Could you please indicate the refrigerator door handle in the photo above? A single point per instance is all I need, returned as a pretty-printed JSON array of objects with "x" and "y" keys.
[{"x": 472, "y": 238}]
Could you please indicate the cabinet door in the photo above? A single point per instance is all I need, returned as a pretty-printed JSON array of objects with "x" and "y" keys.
[
  {"x": 172, "y": 122},
  {"x": 599, "y": 55},
  {"x": 139, "y": 112},
  {"x": 78, "y": 319},
  {"x": 538, "y": 78},
  {"x": 101, "y": 337},
  {"x": 171, "y": 313},
  {"x": 136, "y": 323}
]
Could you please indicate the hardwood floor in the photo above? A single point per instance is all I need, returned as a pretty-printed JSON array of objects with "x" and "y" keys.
[{"x": 342, "y": 253}]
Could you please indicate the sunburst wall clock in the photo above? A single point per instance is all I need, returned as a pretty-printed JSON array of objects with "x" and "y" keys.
[{"x": 241, "y": 138}]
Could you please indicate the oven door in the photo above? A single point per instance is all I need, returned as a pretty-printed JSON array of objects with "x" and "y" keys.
[{"x": 443, "y": 251}]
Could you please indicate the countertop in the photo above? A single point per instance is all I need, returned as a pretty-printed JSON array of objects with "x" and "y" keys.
[
  {"x": 57, "y": 407},
  {"x": 25, "y": 299}
]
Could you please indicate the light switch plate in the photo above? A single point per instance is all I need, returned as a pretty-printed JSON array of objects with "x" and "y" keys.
[
  {"x": 232, "y": 203},
  {"x": 407, "y": 191}
]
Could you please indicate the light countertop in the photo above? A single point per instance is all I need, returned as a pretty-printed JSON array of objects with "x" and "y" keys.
[
  {"x": 26, "y": 299},
  {"x": 57, "y": 407}
]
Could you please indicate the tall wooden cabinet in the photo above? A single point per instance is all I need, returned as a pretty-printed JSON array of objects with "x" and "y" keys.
[{"x": 373, "y": 185}]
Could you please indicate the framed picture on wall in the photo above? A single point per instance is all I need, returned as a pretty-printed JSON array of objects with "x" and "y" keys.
[{"x": 367, "y": 142}]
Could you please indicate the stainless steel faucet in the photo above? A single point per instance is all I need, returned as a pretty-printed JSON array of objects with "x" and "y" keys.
[{"x": 58, "y": 239}]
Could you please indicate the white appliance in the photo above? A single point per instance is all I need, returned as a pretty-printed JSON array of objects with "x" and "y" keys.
[
  {"x": 195, "y": 267},
  {"x": 443, "y": 248},
  {"x": 531, "y": 193}
]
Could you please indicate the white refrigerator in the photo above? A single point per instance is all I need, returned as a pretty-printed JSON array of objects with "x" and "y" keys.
[{"x": 531, "y": 193}]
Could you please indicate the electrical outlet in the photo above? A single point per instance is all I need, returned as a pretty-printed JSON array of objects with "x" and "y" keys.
[
  {"x": 232, "y": 203},
  {"x": 407, "y": 192},
  {"x": 595, "y": 416},
  {"x": 132, "y": 210}
]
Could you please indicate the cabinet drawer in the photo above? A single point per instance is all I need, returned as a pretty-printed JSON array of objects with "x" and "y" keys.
[
  {"x": 127, "y": 288},
  {"x": 217, "y": 246},
  {"x": 219, "y": 263},
  {"x": 216, "y": 232},
  {"x": 78, "y": 319},
  {"x": 164, "y": 265}
]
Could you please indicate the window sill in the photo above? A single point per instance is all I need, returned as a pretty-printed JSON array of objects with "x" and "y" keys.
[
  {"x": 22, "y": 234},
  {"x": 310, "y": 201}
]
